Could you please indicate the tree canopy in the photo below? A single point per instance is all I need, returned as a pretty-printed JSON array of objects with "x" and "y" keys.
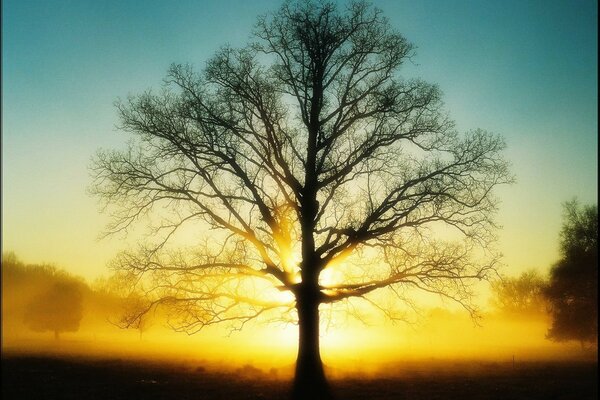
[
  {"x": 58, "y": 309},
  {"x": 520, "y": 296},
  {"x": 304, "y": 152},
  {"x": 573, "y": 288},
  {"x": 40, "y": 296}
]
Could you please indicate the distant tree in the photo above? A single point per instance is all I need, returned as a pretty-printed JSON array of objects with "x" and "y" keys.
[
  {"x": 302, "y": 154},
  {"x": 522, "y": 295},
  {"x": 10, "y": 260},
  {"x": 134, "y": 313},
  {"x": 129, "y": 307},
  {"x": 21, "y": 283},
  {"x": 13, "y": 301},
  {"x": 573, "y": 288},
  {"x": 16, "y": 273},
  {"x": 58, "y": 309}
]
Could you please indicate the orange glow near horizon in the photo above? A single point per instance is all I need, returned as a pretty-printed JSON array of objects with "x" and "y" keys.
[
  {"x": 347, "y": 344},
  {"x": 349, "y": 347},
  {"x": 355, "y": 336}
]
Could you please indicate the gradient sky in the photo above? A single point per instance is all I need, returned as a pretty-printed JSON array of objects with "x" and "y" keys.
[{"x": 524, "y": 69}]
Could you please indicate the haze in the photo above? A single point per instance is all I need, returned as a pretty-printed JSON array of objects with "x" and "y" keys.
[{"x": 525, "y": 70}]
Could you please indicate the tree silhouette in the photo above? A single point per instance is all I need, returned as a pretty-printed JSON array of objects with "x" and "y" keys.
[
  {"x": 522, "y": 295},
  {"x": 128, "y": 308},
  {"x": 301, "y": 157},
  {"x": 58, "y": 309},
  {"x": 134, "y": 315},
  {"x": 573, "y": 288}
]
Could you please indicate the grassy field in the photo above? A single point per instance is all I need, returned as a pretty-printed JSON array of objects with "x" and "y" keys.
[{"x": 27, "y": 376}]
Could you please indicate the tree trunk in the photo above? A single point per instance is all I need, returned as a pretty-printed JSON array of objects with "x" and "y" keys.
[
  {"x": 309, "y": 381},
  {"x": 56, "y": 335}
]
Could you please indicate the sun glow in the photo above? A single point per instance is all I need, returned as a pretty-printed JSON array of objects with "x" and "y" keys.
[
  {"x": 331, "y": 276},
  {"x": 282, "y": 296}
]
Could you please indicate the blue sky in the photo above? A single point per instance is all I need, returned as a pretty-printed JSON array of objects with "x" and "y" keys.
[{"x": 524, "y": 69}]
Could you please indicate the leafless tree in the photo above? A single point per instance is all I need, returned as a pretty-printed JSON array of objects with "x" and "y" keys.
[
  {"x": 301, "y": 153},
  {"x": 129, "y": 308}
]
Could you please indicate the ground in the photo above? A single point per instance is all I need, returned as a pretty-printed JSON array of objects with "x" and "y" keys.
[{"x": 26, "y": 376}]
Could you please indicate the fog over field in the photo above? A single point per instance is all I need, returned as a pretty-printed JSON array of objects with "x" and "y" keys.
[
  {"x": 349, "y": 346},
  {"x": 299, "y": 199}
]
